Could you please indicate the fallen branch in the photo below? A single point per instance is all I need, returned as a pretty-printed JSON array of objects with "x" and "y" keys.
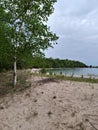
[{"x": 91, "y": 124}]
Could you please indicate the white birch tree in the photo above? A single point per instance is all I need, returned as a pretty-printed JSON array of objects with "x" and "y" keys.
[{"x": 28, "y": 26}]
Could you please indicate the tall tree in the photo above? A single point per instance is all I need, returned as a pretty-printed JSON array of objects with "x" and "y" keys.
[
  {"x": 27, "y": 22},
  {"x": 5, "y": 45}
]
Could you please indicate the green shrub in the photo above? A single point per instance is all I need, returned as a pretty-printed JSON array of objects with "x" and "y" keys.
[
  {"x": 43, "y": 71},
  {"x": 50, "y": 73}
]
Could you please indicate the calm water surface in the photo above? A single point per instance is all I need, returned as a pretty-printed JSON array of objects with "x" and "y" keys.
[{"x": 76, "y": 71}]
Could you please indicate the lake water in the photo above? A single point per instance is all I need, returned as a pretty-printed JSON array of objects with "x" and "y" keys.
[{"x": 76, "y": 71}]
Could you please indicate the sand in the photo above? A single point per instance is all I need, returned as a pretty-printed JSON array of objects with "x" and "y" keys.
[{"x": 51, "y": 105}]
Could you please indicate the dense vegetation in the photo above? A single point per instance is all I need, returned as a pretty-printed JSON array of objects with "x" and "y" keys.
[
  {"x": 28, "y": 61},
  {"x": 56, "y": 63},
  {"x": 24, "y": 35},
  {"x": 24, "y": 31}
]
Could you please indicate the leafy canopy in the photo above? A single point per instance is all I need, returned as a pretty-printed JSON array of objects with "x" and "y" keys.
[
  {"x": 5, "y": 44},
  {"x": 27, "y": 22}
]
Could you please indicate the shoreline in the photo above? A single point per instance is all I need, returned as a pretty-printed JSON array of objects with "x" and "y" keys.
[
  {"x": 92, "y": 76},
  {"x": 37, "y": 71}
]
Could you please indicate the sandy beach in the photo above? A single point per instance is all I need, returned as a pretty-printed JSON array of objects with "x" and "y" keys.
[{"x": 51, "y": 105}]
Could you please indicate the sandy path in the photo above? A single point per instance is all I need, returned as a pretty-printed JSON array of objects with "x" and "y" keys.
[{"x": 51, "y": 105}]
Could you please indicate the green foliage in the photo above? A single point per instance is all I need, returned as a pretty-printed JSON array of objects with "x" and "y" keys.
[
  {"x": 27, "y": 22},
  {"x": 24, "y": 31},
  {"x": 6, "y": 86},
  {"x": 39, "y": 62},
  {"x": 43, "y": 71},
  {"x": 50, "y": 73},
  {"x": 70, "y": 78},
  {"x": 5, "y": 44},
  {"x": 78, "y": 79},
  {"x": 60, "y": 73}
]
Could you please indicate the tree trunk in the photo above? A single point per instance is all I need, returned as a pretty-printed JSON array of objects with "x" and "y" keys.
[{"x": 15, "y": 71}]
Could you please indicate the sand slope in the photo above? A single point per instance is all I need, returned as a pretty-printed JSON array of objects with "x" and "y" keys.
[{"x": 51, "y": 105}]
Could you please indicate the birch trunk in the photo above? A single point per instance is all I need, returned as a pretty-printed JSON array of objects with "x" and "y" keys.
[{"x": 15, "y": 71}]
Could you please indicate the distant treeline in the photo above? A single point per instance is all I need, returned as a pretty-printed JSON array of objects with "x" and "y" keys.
[
  {"x": 56, "y": 63},
  {"x": 28, "y": 61},
  {"x": 37, "y": 62}
]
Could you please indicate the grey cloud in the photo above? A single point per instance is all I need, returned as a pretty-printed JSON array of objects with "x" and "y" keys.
[
  {"x": 76, "y": 24},
  {"x": 76, "y": 7}
]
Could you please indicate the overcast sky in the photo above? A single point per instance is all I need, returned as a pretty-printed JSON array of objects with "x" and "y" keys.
[{"x": 76, "y": 24}]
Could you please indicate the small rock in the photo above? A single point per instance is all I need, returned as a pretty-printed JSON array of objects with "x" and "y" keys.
[{"x": 54, "y": 97}]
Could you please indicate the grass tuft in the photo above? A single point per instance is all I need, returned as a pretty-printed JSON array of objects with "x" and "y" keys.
[
  {"x": 71, "y": 78},
  {"x": 6, "y": 82}
]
